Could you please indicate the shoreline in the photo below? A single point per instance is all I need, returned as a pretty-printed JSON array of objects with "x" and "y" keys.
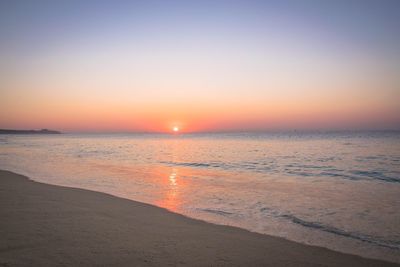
[{"x": 45, "y": 224}]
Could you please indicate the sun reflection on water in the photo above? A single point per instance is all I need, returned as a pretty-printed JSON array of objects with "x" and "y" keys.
[
  {"x": 171, "y": 200},
  {"x": 172, "y": 178}
]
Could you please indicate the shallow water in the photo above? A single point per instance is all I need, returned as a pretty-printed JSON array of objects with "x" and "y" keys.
[{"x": 337, "y": 190}]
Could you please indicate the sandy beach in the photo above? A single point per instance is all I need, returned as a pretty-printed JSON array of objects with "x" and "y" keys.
[{"x": 47, "y": 225}]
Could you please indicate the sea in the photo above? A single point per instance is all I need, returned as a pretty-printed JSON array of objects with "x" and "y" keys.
[{"x": 339, "y": 190}]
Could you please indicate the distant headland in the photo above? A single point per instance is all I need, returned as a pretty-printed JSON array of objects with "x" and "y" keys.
[{"x": 42, "y": 131}]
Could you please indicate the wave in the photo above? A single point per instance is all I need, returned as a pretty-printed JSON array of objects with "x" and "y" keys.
[
  {"x": 392, "y": 244},
  {"x": 219, "y": 212},
  {"x": 292, "y": 169},
  {"x": 376, "y": 175}
]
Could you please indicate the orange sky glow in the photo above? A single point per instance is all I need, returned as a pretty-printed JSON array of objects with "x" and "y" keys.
[{"x": 236, "y": 67}]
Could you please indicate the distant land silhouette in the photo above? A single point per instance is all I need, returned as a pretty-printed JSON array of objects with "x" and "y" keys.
[{"x": 42, "y": 131}]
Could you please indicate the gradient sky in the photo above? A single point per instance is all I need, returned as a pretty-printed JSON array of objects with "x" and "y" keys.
[{"x": 200, "y": 65}]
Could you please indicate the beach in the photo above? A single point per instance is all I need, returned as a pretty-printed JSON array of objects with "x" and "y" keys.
[
  {"x": 45, "y": 225},
  {"x": 284, "y": 185}
]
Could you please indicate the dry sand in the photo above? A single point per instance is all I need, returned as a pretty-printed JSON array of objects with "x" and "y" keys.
[{"x": 46, "y": 225}]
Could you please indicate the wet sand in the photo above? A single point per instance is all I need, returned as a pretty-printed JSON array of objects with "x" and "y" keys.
[{"x": 47, "y": 225}]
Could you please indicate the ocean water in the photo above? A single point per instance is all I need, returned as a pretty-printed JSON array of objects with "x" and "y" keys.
[{"x": 336, "y": 190}]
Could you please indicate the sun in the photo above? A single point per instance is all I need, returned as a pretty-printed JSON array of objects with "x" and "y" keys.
[{"x": 175, "y": 129}]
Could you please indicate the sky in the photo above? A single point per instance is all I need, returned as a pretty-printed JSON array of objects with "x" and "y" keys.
[{"x": 199, "y": 65}]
